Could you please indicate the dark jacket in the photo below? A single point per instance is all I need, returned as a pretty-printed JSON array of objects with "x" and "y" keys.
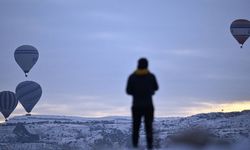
[{"x": 142, "y": 87}]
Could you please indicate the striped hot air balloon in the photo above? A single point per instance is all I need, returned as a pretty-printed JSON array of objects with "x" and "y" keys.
[
  {"x": 240, "y": 30},
  {"x": 8, "y": 103},
  {"x": 28, "y": 94},
  {"x": 26, "y": 57}
]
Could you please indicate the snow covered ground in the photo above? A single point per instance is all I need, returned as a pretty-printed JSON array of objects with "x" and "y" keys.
[{"x": 213, "y": 131}]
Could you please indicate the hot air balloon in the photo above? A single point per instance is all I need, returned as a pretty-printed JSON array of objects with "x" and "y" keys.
[
  {"x": 28, "y": 94},
  {"x": 8, "y": 103},
  {"x": 26, "y": 57},
  {"x": 240, "y": 30}
]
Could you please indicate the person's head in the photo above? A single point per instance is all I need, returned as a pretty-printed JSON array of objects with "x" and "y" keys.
[{"x": 142, "y": 63}]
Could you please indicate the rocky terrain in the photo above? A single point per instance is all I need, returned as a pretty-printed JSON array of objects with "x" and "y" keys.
[{"x": 202, "y": 131}]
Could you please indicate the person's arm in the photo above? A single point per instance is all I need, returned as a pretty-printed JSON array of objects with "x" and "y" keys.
[
  {"x": 129, "y": 88},
  {"x": 155, "y": 84}
]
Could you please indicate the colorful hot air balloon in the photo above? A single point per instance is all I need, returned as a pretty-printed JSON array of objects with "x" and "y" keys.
[
  {"x": 28, "y": 94},
  {"x": 26, "y": 57},
  {"x": 8, "y": 103},
  {"x": 240, "y": 30}
]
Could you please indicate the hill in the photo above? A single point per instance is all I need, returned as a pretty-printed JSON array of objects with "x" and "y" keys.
[{"x": 207, "y": 131}]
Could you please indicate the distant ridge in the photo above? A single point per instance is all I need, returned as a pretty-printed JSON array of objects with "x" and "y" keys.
[
  {"x": 214, "y": 115},
  {"x": 211, "y": 115}
]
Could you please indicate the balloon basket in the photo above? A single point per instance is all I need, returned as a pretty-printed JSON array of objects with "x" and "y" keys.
[{"x": 28, "y": 115}]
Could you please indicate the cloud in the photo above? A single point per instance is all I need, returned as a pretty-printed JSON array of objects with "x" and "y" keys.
[
  {"x": 77, "y": 105},
  {"x": 194, "y": 106},
  {"x": 114, "y": 36},
  {"x": 87, "y": 48},
  {"x": 92, "y": 106},
  {"x": 185, "y": 52},
  {"x": 112, "y": 17},
  {"x": 82, "y": 105}
]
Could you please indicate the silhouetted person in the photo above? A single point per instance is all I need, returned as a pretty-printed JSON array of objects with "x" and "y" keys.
[{"x": 142, "y": 85}]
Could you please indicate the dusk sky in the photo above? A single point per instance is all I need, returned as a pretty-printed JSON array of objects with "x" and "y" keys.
[{"x": 88, "y": 48}]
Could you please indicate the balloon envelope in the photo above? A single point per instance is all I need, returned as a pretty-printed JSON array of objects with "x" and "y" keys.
[
  {"x": 26, "y": 57},
  {"x": 240, "y": 30},
  {"x": 8, "y": 103},
  {"x": 28, "y": 94}
]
